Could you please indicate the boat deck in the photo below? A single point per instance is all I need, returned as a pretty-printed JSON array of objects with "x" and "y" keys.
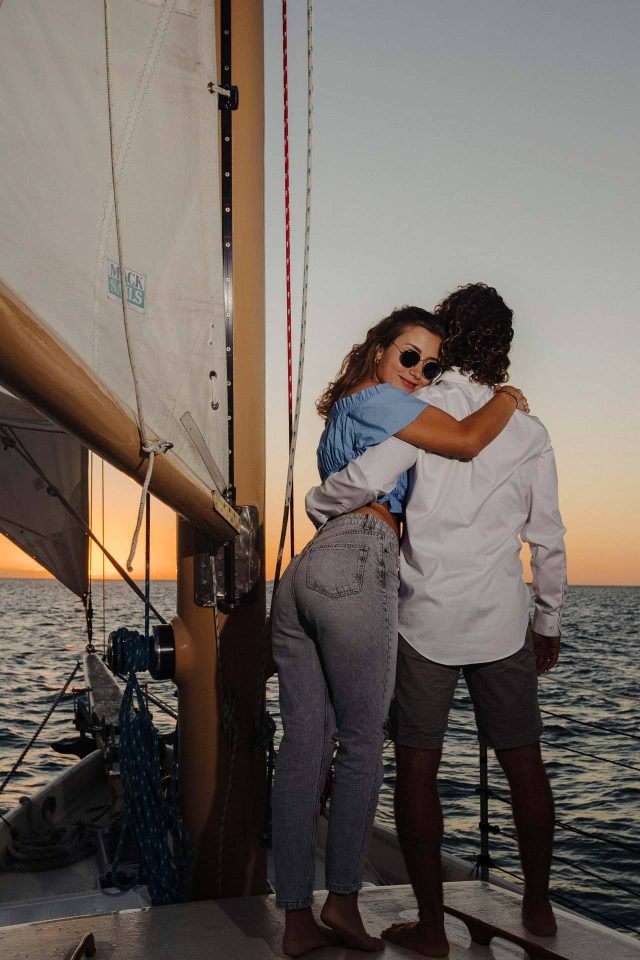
[{"x": 251, "y": 928}]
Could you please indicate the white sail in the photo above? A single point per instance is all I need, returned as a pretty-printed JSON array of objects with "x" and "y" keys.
[
  {"x": 58, "y": 247},
  {"x": 30, "y": 514}
]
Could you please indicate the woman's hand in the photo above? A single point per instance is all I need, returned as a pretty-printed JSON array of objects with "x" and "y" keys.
[{"x": 518, "y": 395}]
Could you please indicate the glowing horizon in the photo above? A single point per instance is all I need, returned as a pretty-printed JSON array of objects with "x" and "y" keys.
[
  {"x": 518, "y": 169},
  {"x": 601, "y": 551}
]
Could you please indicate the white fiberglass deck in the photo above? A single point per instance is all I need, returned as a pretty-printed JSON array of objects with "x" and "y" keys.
[{"x": 251, "y": 929}]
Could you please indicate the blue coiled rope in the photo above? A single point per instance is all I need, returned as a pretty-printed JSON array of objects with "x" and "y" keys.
[{"x": 151, "y": 815}]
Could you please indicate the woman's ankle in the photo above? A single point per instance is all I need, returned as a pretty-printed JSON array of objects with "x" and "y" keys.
[
  {"x": 300, "y": 917},
  {"x": 344, "y": 903}
]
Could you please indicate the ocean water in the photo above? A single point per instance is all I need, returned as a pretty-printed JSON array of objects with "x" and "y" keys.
[{"x": 590, "y": 702}]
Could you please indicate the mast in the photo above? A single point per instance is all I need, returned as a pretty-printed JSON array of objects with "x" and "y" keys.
[
  {"x": 206, "y": 759},
  {"x": 66, "y": 350}
]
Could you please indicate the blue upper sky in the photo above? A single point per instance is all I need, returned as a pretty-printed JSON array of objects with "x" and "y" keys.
[{"x": 465, "y": 140}]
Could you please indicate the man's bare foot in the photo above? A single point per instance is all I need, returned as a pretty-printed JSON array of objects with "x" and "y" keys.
[
  {"x": 341, "y": 914},
  {"x": 418, "y": 936},
  {"x": 538, "y": 917},
  {"x": 303, "y": 933}
]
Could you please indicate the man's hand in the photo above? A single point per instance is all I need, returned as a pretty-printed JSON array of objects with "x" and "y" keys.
[{"x": 547, "y": 651}]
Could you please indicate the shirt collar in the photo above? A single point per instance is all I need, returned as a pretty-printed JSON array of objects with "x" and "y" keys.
[{"x": 455, "y": 374}]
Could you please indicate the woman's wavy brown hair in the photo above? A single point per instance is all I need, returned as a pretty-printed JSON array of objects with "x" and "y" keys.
[
  {"x": 480, "y": 333},
  {"x": 360, "y": 363}
]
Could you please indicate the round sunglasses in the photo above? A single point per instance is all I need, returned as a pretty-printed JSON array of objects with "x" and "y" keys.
[{"x": 409, "y": 358}]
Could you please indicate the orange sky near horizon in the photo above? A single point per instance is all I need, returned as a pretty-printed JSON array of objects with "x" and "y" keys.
[
  {"x": 495, "y": 174},
  {"x": 602, "y": 545}
]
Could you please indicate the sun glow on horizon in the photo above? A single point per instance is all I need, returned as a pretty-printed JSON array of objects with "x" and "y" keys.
[
  {"x": 601, "y": 544},
  {"x": 121, "y": 500}
]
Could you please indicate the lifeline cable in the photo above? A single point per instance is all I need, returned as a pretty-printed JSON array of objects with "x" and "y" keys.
[{"x": 40, "y": 728}]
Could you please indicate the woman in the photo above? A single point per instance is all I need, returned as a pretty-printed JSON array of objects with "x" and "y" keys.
[{"x": 334, "y": 624}]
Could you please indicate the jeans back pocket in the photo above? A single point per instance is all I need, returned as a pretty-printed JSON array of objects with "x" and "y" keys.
[{"x": 336, "y": 569}]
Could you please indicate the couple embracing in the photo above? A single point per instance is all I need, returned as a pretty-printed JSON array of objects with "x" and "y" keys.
[{"x": 369, "y": 611}]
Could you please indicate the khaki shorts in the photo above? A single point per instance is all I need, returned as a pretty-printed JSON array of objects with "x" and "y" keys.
[{"x": 504, "y": 694}]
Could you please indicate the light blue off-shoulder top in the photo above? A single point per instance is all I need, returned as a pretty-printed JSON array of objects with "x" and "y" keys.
[{"x": 363, "y": 420}]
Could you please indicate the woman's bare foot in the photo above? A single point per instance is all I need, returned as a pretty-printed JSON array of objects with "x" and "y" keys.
[
  {"x": 538, "y": 917},
  {"x": 418, "y": 936},
  {"x": 341, "y": 913},
  {"x": 303, "y": 933}
]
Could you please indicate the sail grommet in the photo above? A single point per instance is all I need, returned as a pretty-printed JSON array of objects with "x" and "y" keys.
[{"x": 162, "y": 652}]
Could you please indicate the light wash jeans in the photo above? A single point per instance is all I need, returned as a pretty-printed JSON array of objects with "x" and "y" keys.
[{"x": 334, "y": 633}]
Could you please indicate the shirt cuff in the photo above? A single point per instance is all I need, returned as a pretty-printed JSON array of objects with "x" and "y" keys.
[
  {"x": 314, "y": 507},
  {"x": 546, "y": 624}
]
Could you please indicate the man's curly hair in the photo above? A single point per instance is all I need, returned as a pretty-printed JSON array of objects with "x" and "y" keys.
[{"x": 479, "y": 333}]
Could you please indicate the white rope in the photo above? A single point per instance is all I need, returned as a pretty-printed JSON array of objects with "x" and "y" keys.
[
  {"x": 149, "y": 447},
  {"x": 305, "y": 285},
  {"x": 216, "y": 88}
]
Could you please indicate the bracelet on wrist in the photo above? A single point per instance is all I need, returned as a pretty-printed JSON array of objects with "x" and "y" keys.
[{"x": 508, "y": 393}]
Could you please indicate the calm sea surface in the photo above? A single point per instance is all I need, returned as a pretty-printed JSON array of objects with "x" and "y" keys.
[{"x": 591, "y": 707}]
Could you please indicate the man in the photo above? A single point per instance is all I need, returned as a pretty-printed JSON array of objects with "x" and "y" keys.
[{"x": 464, "y": 606}]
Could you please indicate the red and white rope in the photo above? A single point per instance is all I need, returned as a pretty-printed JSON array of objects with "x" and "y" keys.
[
  {"x": 287, "y": 239},
  {"x": 294, "y": 419}
]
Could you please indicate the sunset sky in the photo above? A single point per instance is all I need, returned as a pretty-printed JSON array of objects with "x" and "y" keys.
[{"x": 457, "y": 142}]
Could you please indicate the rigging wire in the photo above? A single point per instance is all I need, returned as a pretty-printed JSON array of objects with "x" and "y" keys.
[
  {"x": 90, "y": 519},
  {"x": 264, "y": 724},
  {"x": 40, "y": 727},
  {"x": 11, "y": 439},
  {"x": 305, "y": 285},
  {"x": 287, "y": 242},
  {"x": 88, "y": 601},
  {"x": 104, "y": 592}
]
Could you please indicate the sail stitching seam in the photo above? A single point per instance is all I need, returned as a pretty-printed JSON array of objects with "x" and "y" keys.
[
  {"x": 149, "y": 447},
  {"x": 121, "y": 152}
]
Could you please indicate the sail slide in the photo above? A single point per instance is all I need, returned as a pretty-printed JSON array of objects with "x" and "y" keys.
[
  {"x": 30, "y": 513},
  {"x": 58, "y": 247}
]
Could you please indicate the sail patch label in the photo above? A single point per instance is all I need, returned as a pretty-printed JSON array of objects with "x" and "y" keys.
[{"x": 135, "y": 283}]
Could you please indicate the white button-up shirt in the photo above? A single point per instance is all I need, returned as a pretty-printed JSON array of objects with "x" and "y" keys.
[{"x": 462, "y": 595}]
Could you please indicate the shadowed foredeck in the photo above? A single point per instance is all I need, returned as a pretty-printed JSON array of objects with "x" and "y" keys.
[{"x": 251, "y": 928}]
